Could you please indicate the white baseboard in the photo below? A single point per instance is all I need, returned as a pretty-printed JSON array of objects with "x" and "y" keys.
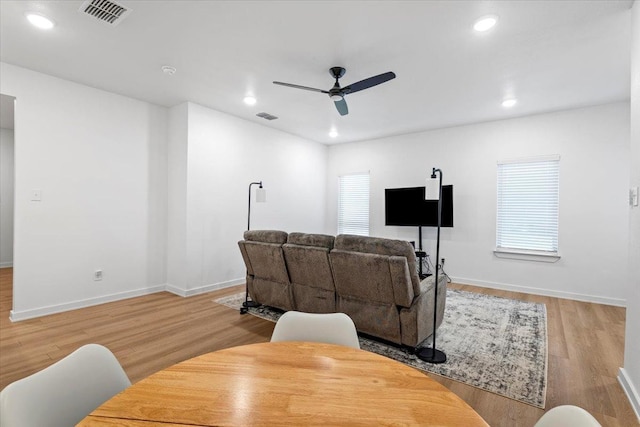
[
  {"x": 6, "y": 264},
  {"x": 16, "y": 316},
  {"x": 202, "y": 289},
  {"x": 630, "y": 391},
  {"x": 619, "y": 302}
]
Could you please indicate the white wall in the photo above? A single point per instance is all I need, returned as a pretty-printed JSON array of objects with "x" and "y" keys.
[
  {"x": 225, "y": 154},
  {"x": 100, "y": 160},
  {"x": 594, "y": 147},
  {"x": 630, "y": 375},
  {"x": 177, "y": 197},
  {"x": 6, "y": 197}
]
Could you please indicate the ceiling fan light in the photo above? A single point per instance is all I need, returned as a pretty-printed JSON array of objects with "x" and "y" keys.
[{"x": 336, "y": 97}]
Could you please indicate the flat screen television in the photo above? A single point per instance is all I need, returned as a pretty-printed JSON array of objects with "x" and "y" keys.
[{"x": 407, "y": 207}]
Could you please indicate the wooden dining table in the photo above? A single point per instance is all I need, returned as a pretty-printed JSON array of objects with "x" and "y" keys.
[{"x": 286, "y": 383}]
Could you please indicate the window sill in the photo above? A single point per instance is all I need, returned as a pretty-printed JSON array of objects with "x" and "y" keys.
[{"x": 526, "y": 255}]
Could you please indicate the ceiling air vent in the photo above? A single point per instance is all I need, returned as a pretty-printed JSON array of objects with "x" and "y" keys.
[
  {"x": 106, "y": 11},
  {"x": 266, "y": 116}
]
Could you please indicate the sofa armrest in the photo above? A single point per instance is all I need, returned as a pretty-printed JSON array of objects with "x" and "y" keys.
[
  {"x": 417, "y": 320},
  {"x": 427, "y": 290},
  {"x": 245, "y": 257},
  {"x": 403, "y": 294}
]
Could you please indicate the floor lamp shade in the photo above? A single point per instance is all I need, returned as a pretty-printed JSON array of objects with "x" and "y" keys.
[
  {"x": 432, "y": 189},
  {"x": 261, "y": 195}
]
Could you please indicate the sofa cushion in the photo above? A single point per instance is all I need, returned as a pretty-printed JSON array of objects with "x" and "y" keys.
[
  {"x": 266, "y": 236},
  {"x": 307, "y": 239}
]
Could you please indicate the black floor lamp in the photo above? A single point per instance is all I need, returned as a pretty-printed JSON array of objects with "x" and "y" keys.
[
  {"x": 433, "y": 355},
  {"x": 261, "y": 197}
]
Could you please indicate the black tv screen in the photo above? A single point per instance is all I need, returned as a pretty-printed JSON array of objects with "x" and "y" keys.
[{"x": 407, "y": 207}]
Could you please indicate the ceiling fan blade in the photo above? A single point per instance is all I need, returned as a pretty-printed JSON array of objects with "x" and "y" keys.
[
  {"x": 341, "y": 105},
  {"x": 301, "y": 87},
  {"x": 367, "y": 83}
]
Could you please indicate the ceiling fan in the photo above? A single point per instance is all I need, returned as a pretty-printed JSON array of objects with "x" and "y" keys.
[{"x": 336, "y": 93}]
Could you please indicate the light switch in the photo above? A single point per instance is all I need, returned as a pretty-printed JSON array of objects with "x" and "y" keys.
[
  {"x": 36, "y": 195},
  {"x": 633, "y": 196}
]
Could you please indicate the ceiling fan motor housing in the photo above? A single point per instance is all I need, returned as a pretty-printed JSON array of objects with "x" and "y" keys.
[
  {"x": 337, "y": 72},
  {"x": 336, "y": 93}
]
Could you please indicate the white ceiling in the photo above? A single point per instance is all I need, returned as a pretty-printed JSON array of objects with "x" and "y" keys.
[{"x": 550, "y": 55}]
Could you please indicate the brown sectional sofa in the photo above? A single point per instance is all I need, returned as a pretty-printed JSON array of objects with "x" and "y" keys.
[{"x": 373, "y": 280}]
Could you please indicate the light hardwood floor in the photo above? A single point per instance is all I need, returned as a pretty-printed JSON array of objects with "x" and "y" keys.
[{"x": 586, "y": 346}]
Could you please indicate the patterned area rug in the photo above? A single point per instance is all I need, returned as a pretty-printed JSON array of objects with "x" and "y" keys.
[{"x": 495, "y": 344}]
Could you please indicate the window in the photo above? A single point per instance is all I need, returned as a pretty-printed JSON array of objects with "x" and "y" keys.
[
  {"x": 353, "y": 204},
  {"x": 527, "y": 218}
]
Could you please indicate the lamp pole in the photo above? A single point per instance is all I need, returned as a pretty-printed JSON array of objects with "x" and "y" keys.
[
  {"x": 433, "y": 355},
  {"x": 249, "y": 304}
]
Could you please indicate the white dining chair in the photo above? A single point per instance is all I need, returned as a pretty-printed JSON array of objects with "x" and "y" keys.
[
  {"x": 331, "y": 328},
  {"x": 567, "y": 416},
  {"x": 62, "y": 394}
]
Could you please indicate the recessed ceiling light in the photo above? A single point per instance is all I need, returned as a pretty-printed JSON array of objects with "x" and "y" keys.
[
  {"x": 168, "y": 70},
  {"x": 40, "y": 21},
  {"x": 485, "y": 23},
  {"x": 333, "y": 133},
  {"x": 508, "y": 103},
  {"x": 250, "y": 100}
]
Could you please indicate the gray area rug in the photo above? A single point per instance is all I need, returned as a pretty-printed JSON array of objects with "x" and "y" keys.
[{"x": 495, "y": 344}]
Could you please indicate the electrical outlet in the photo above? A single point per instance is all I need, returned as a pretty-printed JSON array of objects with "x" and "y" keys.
[
  {"x": 97, "y": 275},
  {"x": 442, "y": 261}
]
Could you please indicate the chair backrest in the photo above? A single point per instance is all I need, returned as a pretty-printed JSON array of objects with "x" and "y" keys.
[
  {"x": 330, "y": 328},
  {"x": 62, "y": 394},
  {"x": 566, "y": 416}
]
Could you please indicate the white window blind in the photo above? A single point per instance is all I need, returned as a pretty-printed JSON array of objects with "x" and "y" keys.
[
  {"x": 353, "y": 204},
  {"x": 528, "y": 193}
]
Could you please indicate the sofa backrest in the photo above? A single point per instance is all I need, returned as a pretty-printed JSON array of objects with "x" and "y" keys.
[
  {"x": 307, "y": 257},
  {"x": 308, "y": 239},
  {"x": 263, "y": 255},
  {"x": 373, "y": 269},
  {"x": 266, "y": 236},
  {"x": 382, "y": 246}
]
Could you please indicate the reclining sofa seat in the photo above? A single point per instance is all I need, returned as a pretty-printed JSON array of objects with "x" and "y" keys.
[
  {"x": 377, "y": 285},
  {"x": 307, "y": 259},
  {"x": 267, "y": 276}
]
